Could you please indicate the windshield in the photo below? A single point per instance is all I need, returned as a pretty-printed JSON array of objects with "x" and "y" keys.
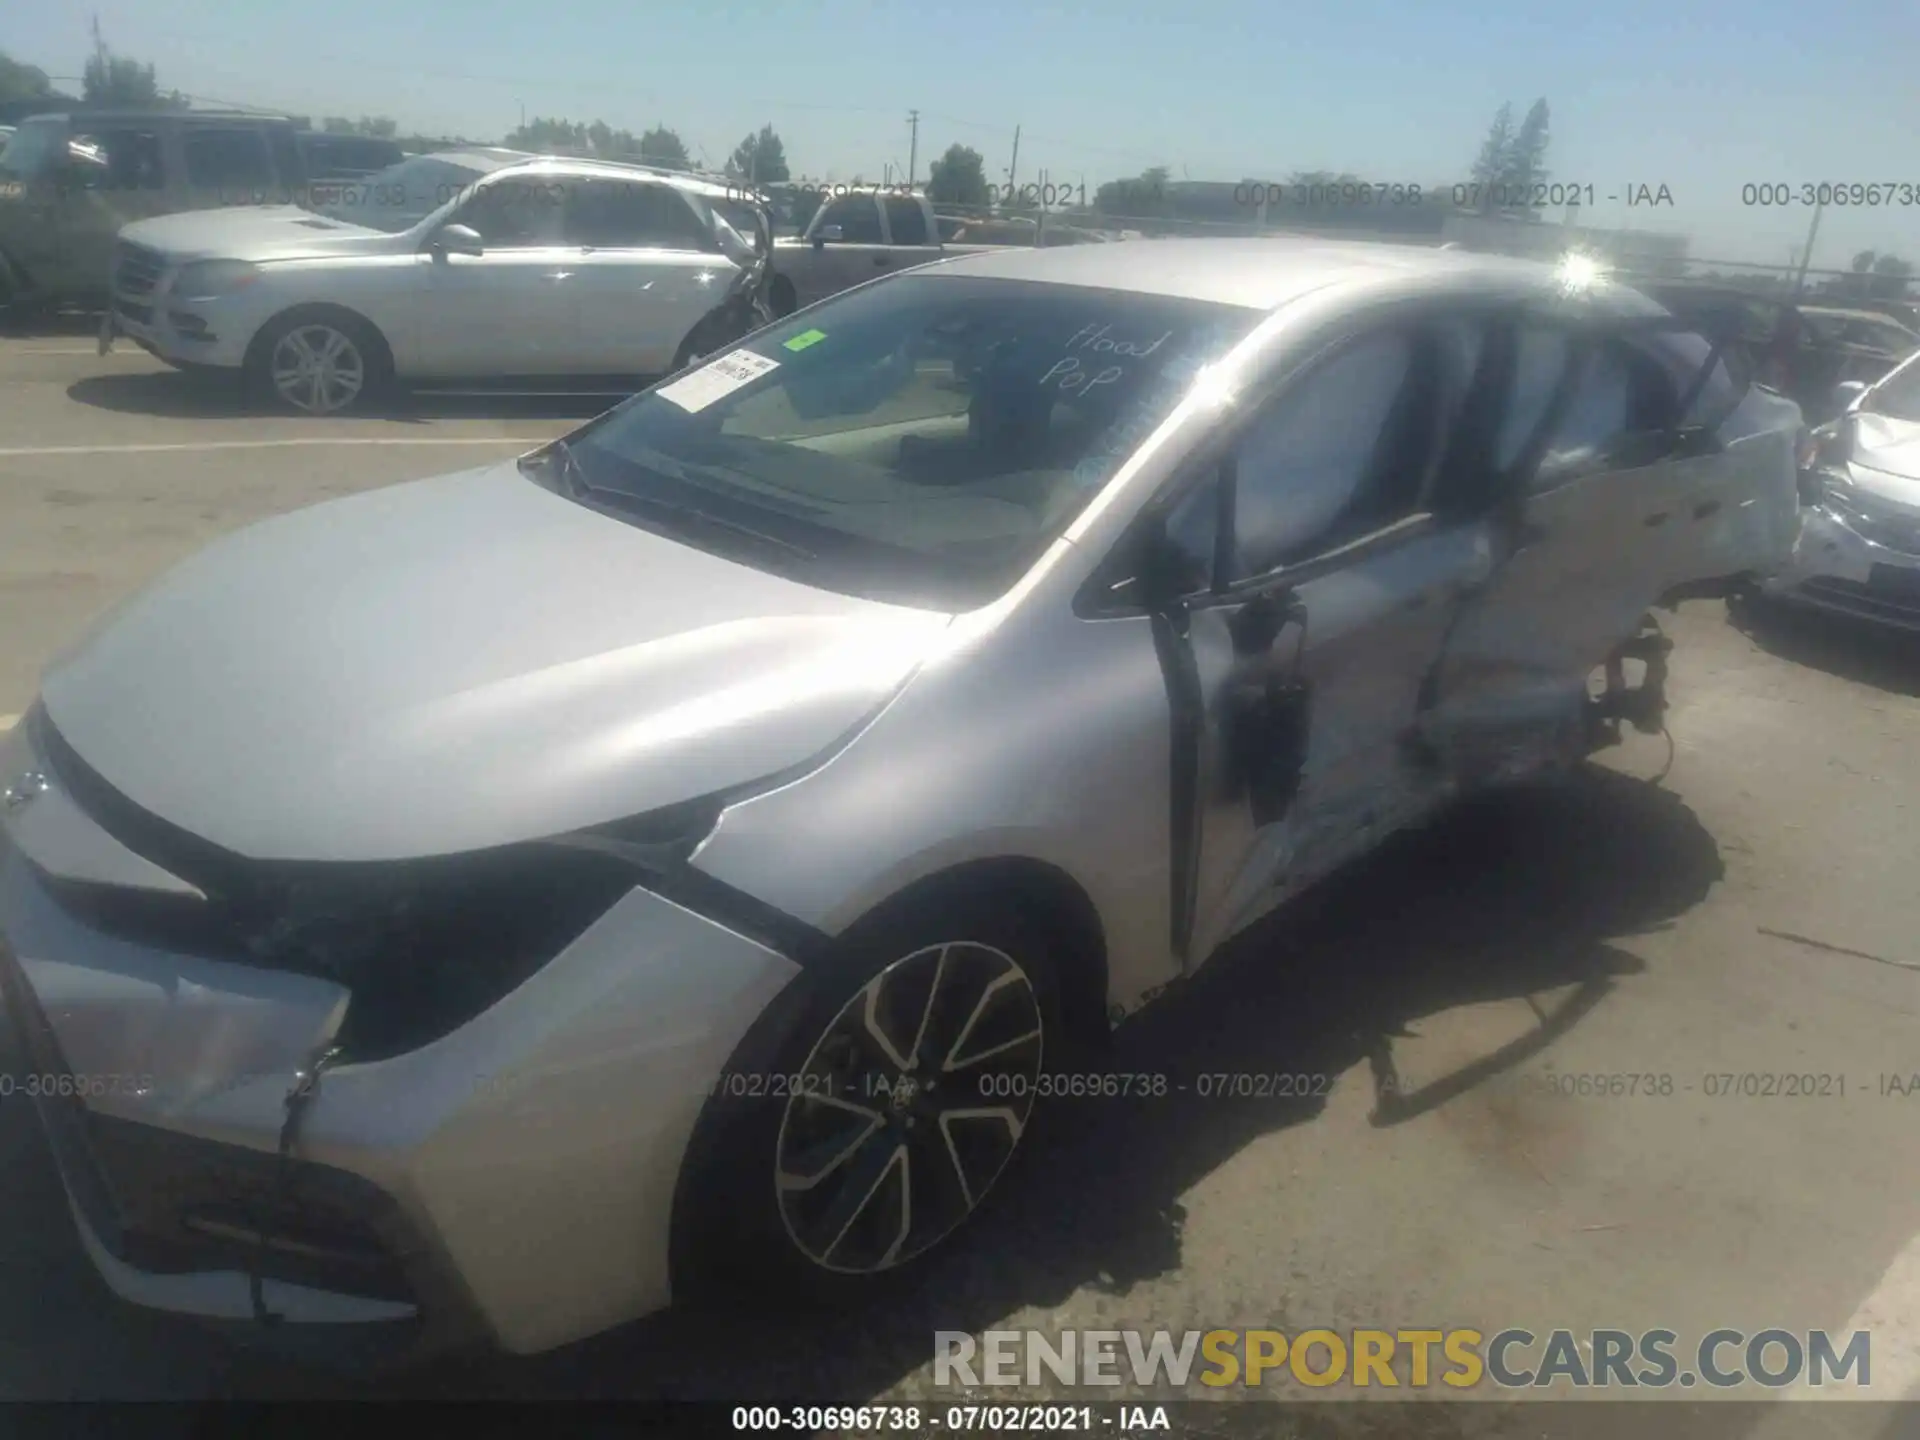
[
  {"x": 400, "y": 196},
  {"x": 1898, "y": 396},
  {"x": 31, "y": 150},
  {"x": 921, "y": 441}
]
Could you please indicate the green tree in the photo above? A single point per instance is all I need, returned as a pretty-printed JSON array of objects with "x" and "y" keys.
[
  {"x": 1143, "y": 196},
  {"x": 1525, "y": 162},
  {"x": 1889, "y": 280},
  {"x": 19, "y": 81},
  {"x": 1494, "y": 155},
  {"x": 959, "y": 177},
  {"x": 760, "y": 159},
  {"x": 116, "y": 80},
  {"x": 661, "y": 146},
  {"x": 379, "y": 127}
]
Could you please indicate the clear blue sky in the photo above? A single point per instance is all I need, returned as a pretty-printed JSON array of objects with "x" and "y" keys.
[{"x": 1700, "y": 97}]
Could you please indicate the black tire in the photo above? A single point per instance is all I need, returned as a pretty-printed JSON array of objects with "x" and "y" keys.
[
  {"x": 737, "y": 1232},
  {"x": 709, "y": 337},
  {"x": 265, "y": 356},
  {"x": 782, "y": 298}
]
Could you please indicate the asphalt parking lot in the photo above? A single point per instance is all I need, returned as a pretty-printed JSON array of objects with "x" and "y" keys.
[{"x": 1756, "y": 913}]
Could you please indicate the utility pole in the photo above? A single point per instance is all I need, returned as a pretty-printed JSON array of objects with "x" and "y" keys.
[
  {"x": 913, "y": 145},
  {"x": 1013, "y": 169},
  {"x": 1806, "y": 256}
]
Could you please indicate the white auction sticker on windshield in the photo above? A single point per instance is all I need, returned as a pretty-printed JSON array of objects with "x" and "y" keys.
[{"x": 716, "y": 380}]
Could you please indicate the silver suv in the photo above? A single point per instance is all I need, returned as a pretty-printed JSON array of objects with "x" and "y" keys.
[{"x": 461, "y": 266}]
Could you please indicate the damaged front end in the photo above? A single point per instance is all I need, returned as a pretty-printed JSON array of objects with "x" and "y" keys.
[
  {"x": 419, "y": 946},
  {"x": 180, "y": 1008}
]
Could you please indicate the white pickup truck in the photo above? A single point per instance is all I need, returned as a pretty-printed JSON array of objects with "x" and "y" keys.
[{"x": 856, "y": 234}]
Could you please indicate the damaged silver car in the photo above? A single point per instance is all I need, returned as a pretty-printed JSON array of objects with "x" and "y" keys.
[
  {"x": 492, "y": 907},
  {"x": 1859, "y": 548}
]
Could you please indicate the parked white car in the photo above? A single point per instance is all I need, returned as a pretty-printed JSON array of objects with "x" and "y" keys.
[{"x": 454, "y": 267}]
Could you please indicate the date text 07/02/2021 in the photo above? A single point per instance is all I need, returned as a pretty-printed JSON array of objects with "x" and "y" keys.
[{"x": 1471, "y": 195}]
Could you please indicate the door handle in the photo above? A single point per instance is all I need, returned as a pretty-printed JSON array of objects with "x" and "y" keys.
[
  {"x": 883, "y": 259},
  {"x": 1655, "y": 520},
  {"x": 1706, "y": 508},
  {"x": 559, "y": 274}
]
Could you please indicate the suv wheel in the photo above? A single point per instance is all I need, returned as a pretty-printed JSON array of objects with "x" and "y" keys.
[{"x": 319, "y": 363}]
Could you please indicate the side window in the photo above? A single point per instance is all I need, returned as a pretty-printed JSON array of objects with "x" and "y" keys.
[
  {"x": 1599, "y": 414},
  {"x": 515, "y": 213},
  {"x": 118, "y": 160},
  {"x": 622, "y": 214},
  {"x": 1330, "y": 460},
  {"x": 1681, "y": 355},
  {"x": 1540, "y": 363},
  {"x": 906, "y": 221},
  {"x": 230, "y": 160},
  {"x": 858, "y": 218}
]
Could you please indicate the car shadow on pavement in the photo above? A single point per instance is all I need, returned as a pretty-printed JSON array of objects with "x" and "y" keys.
[
  {"x": 1513, "y": 896},
  {"x": 218, "y": 395},
  {"x": 1849, "y": 649}
]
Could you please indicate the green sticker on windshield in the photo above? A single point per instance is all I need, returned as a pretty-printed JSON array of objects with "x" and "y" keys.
[{"x": 804, "y": 339}]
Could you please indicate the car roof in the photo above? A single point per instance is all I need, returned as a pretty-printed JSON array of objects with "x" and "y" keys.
[
  {"x": 1841, "y": 313},
  {"x": 1267, "y": 272},
  {"x": 477, "y": 157},
  {"x": 624, "y": 170},
  {"x": 80, "y": 113}
]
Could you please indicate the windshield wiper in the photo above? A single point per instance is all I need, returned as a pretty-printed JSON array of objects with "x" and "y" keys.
[
  {"x": 574, "y": 483},
  {"x": 556, "y": 453},
  {"x": 683, "y": 514}
]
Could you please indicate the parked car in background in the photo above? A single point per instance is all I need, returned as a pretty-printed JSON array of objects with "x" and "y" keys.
[
  {"x": 856, "y": 237},
  {"x": 470, "y": 266},
  {"x": 69, "y": 181},
  {"x": 1905, "y": 311},
  {"x": 528, "y": 896},
  {"x": 1801, "y": 351},
  {"x": 1872, "y": 342},
  {"x": 345, "y": 157},
  {"x": 1859, "y": 546}
]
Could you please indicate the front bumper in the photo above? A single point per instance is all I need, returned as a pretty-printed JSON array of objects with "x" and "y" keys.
[
  {"x": 1836, "y": 569},
  {"x": 141, "y": 305},
  {"x": 181, "y": 333},
  {"x": 509, "y": 1184}
]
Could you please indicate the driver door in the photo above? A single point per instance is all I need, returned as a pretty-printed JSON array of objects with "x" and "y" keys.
[
  {"x": 857, "y": 256},
  {"x": 510, "y": 310},
  {"x": 1296, "y": 669}
]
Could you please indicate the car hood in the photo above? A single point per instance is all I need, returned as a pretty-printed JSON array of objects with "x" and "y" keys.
[
  {"x": 258, "y": 232},
  {"x": 1885, "y": 458},
  {"x": 458, "y": 663}
]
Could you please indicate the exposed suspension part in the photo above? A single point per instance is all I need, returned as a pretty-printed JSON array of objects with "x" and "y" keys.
[{"x": 1643, "y": 706}]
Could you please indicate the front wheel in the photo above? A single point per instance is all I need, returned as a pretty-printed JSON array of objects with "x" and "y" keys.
[
  {"x": 319, "y": 363},
  {"x": 873, "y": 1109}
]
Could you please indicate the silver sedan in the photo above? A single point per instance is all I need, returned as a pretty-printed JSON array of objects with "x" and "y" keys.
[
  {"x": 479, "y": 265},
  {"x": 1859, "y": 548},
  {"x": 696, "y": 855}
]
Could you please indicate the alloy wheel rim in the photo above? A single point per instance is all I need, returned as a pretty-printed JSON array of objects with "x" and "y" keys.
[
  {"x": 318, "y": 369},
  {"x": 909, "y": 1107}
]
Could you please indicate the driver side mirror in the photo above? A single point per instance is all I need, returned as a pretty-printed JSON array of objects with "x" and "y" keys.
[
  {"x": 827, "y": 233},
  {"x": 1847, "y": 394},
  {"x": 456, "y": 240}
]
